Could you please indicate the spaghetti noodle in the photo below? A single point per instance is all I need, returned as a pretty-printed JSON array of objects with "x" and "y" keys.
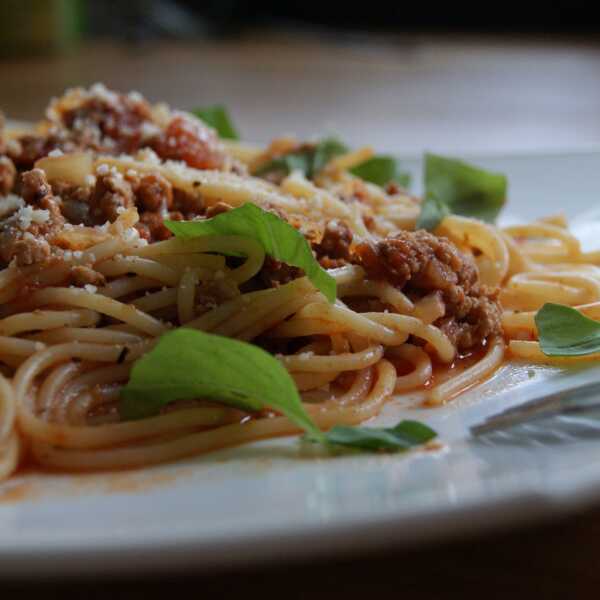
[{"x": 92, "y": 278}]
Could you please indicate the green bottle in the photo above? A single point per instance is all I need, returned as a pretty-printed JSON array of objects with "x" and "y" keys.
[{"x": 30, "y": 27}]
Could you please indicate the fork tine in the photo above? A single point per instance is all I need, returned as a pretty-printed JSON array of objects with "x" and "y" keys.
[{"x": 566, "y": 401}]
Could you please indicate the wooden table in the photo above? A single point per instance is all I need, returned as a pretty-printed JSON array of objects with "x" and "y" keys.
[
  {"x": 399, "y": 94},
  {"x": 404, "y": 95}
]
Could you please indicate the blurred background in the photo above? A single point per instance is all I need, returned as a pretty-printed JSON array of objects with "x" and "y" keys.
[{"x": 404, "y": 76}]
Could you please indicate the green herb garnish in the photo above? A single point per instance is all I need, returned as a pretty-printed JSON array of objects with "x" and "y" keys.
[
  {"x": 309, "y": 160},
  {"x": 278, "y": 238},
  {"x": 218, "y": 118},
  {"x": 455, "y": 187},
  {"x": 403, "y": 436},
  {"x": 564, "y": 331},
  {"x": 381, "y": 170},
  {"x": 326, "y": 151},
  {"x": 188, "y": 364}
]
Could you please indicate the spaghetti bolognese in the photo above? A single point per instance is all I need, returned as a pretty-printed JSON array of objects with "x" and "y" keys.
[{"x": 124, "y": 222}]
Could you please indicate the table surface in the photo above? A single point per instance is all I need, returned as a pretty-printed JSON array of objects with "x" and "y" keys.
[{"x": 401, "y": 94}]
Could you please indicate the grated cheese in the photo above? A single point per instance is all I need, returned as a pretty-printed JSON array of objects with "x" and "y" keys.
[
  {"x": 146, "y": 155},
  {"x": 27, "y": 215},
  {"x": 9, "y": 204},
  {"x": 131, "y": 235},
  {"x": 135, "y": 96},
  {"x": 149, "y": 130},
  {"x": 100, "y": 91}
]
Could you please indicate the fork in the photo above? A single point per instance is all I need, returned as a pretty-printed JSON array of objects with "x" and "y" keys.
[{"x": 573, "y": 401}]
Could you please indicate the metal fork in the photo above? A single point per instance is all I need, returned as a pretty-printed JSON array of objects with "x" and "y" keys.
[{"x": 574, "y": 401}]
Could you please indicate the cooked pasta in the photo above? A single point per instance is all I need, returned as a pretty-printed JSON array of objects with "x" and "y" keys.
[{"x": 92, "y": 279}]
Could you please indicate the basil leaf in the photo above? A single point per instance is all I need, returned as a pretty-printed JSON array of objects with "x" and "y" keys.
[
  {"x": 308, "y": 160},
  {"x": 279, "y": 239},
  {"x": 187, "y": 364},
  {"x": 455, "y": 187},
  {"x": 295, "y": 161},
  {"x": 433, "y": 211},
  {"x": 564, "y": 331},
  {"x": 325, "y": 151},
  {"x": 405, "y": 435},
  {"x": 381, "y": 170},
  {"x": 218, "y": 118}
]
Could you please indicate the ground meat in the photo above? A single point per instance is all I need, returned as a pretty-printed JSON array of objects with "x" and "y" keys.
[
  {"x": 332, "y": 263},
  {"x": 81, "y": 276},
  {"x": 36, "y": 191},
  {"x": 175, "y": 215},
  {"x": 154, "y": 193},
  {"x": 191, "y": 141},
  {"x": 110, "y": 195},
  {"x": 111, "y": 123},
  {"x": 481, "y": 320},
  {"x": 151, "y": 227},
  {"x": 22, "y": 247},
  {"x": 155, "y": 198},
  {"x": 392, "y": 188},
  {"x": 217, "y": 209},
  {"x": 151, "y": 193},
  {"x": 35, "y": 187},
  {"x": 56, "y": 221},
  {"x": 275, "y": 273},
  {"x": 108, "y": 122},
  {"x": 334, "y": 248},
  {"x": 8, "y": 237},
  {"x": 187, "y": 204},
  {"x": 28, "y": 251},
  {"x": 426, "y": 261},
  {"x": 144, "y": 230},
  {"x": 419, "y": 263},
  {"x": 70, "y": 191},
  {"x": 27, "y": 149},
  {"x": 31, "y": 246},
  {"x": 75, "y": 202},
  {"x": 8, "y": 174}
]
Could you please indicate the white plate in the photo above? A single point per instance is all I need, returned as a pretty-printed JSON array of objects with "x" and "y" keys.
[{"x": 273, "y": 500}]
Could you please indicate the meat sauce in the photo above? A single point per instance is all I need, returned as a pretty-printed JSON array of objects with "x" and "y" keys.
[
  {"x": 110, "y": 123},
  {"x": 418, "y": 263},
  {"x": 415, "y": 262},
  {"x": 442, "y": 372}
]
